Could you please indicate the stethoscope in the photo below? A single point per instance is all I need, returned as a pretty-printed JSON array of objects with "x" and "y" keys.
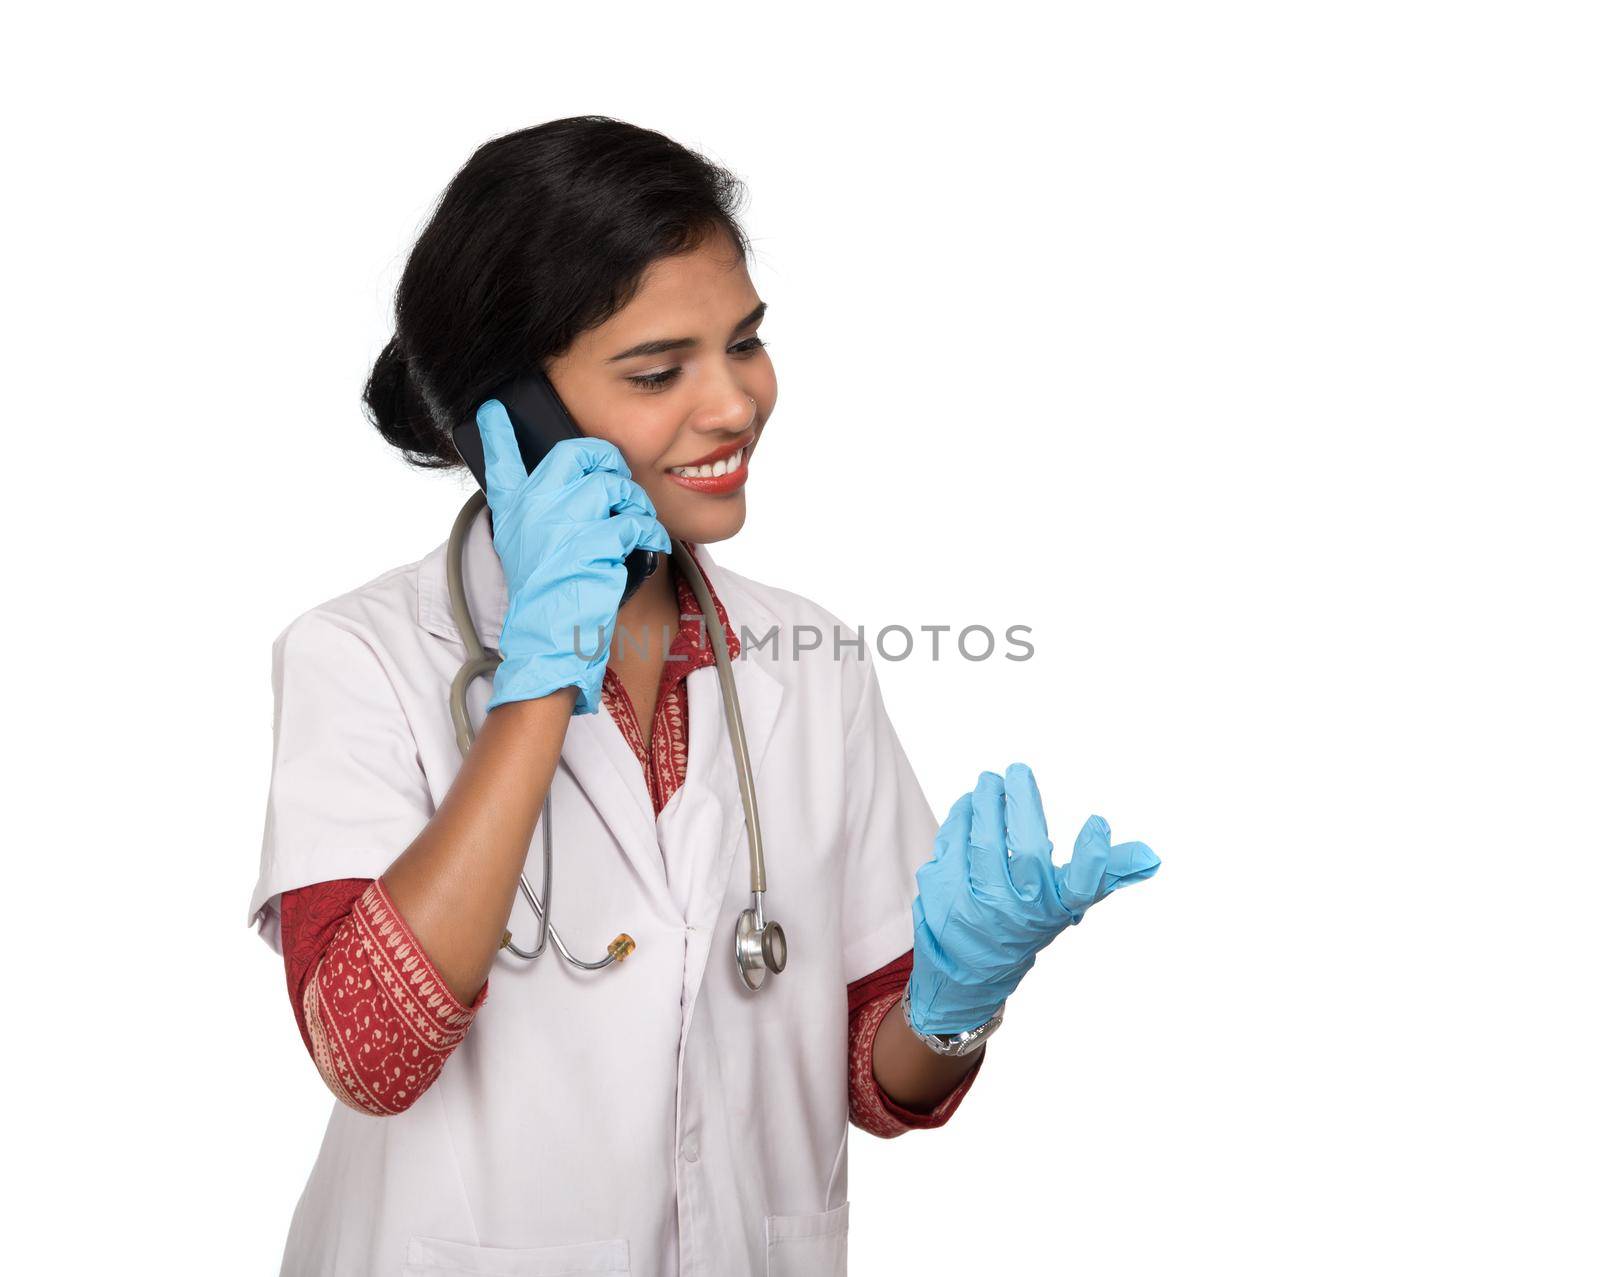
[{"x": 758, "y": 945}]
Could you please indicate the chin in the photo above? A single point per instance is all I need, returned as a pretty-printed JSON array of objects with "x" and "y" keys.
[{"x": 703, "y": 527}]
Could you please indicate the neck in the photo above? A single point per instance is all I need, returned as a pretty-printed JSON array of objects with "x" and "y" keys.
[{"x": 650, "y": 617}]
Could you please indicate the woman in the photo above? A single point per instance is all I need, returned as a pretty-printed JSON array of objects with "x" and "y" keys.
[{"x": 655, "y": 1116}]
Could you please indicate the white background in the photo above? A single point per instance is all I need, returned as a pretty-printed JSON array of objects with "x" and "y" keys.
[{"x": 1245, "y": 351}]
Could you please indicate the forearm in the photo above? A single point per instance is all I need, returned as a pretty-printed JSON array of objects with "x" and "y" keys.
[
  {"x": 910, "y": 1074},
  {"x": 455, "y": 884}
]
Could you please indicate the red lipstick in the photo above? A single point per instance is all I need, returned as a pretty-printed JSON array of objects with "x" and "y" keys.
[{"x": 722, "y": 484}]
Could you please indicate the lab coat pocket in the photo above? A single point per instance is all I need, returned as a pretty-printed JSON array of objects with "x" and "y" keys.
[
  {"x": 435, "y": 1257},
  {"x": 808, "y": 1245}
]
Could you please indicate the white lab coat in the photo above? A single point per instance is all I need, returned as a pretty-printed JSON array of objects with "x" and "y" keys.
[{"x": 654, "y": 1118}]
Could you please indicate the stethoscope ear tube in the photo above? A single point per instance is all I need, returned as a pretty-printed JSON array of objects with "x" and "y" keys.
[
  {"x": 480, "y": 664},
  {"x": 759, "y": 946},
  {"x": 730, "y": 710}
]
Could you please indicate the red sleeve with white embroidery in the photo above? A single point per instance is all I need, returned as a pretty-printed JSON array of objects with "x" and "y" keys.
[
  {"x": 379, "y": 1023},
  {"x": 373, "y": 1012},
  {"x": 871, "y": 998}
]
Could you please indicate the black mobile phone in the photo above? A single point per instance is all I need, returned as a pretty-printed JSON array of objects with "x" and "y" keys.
[{"x": 540, "y": 421}]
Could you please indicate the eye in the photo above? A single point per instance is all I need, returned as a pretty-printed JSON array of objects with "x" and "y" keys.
[
  {"x": 656, "y": 380},
  {"x": 661, "y": 380}
]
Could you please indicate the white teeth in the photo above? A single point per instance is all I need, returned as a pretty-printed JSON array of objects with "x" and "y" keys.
[{"x": 714, "y": 470}]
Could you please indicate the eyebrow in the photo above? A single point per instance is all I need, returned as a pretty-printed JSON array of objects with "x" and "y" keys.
[{"x": 664, "y": 344}]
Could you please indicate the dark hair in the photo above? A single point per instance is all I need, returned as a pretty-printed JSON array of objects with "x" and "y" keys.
[{"x": 543, "y": 234}]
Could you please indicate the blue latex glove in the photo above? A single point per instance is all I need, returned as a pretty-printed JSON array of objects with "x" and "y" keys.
[
  {"x": 991, "y": 898},
  {"x": 563, "y": 534}
]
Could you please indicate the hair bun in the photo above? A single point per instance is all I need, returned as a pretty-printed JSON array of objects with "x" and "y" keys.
[{"x": 397, "y": 409}]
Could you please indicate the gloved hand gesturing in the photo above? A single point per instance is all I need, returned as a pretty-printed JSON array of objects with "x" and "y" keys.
[
  {"x": 991, "y": 898},
  {"x": 563, "y": 534}
]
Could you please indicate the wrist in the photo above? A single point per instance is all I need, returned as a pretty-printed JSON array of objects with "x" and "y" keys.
[
  {"x": 531, "y": 678},
  {"x": 937, "y": 1003},
  {"x": 957, "y": 1043}
]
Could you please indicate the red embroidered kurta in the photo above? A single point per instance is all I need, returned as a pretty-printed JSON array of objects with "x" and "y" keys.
[{"x": 379, "y": 1021}]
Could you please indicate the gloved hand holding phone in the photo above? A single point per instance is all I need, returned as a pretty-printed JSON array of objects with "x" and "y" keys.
[
  {"x": 992, "y": 897},
  {"x": 563, "y": 534}
]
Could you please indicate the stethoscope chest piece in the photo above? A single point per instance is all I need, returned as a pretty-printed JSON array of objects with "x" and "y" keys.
[{"x": 758, "y": 947}]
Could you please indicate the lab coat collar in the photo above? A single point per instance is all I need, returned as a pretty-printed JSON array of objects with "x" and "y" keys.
[{"x": 600, "y": 759}]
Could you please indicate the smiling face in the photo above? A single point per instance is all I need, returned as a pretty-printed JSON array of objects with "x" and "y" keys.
[{"x": 681, "y": 384}]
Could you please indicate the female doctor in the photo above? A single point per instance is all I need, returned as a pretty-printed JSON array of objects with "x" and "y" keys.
[{"x": 648, "y": 1113}]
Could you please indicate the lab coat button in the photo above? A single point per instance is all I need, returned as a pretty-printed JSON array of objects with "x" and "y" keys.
[{"x": 691, "y": 1149}]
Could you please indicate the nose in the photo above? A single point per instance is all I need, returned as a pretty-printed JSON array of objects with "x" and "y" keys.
[{"x": 732, "y": 411}]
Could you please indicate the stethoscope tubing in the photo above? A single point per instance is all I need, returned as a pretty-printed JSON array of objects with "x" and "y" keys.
[{"x": 480, "y": 664}]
